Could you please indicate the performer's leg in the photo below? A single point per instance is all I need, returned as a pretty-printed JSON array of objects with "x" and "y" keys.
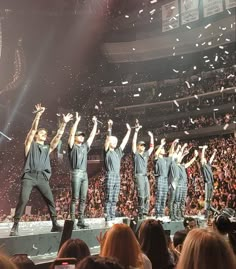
[
  {"x": 115, "y": 196},
  {"x": 82, "y": 201},
  {"x": 108, "y": 196},
  {"x": 75, "y": 189},
  {"x": 147, "y": 196},
  {"x": 45, "y": 190},
  {"x": 183, "y": 199},
  {"x": 208, "y": 193},
  {"x": 158, "y": 197},
  {"x": 172, "y": 204},
  {"x": 139, "y": 180},
  {"x": 26, "y": 188}
]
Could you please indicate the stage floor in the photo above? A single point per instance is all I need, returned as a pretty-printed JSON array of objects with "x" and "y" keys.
[{"x": 41, "y": 245}]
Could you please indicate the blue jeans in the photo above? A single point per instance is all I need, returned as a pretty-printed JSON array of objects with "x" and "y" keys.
[{"x": 79, "y": 186}]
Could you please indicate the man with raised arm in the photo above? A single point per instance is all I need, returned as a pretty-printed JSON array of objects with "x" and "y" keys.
[
  {"x": 183, "y": 179},
  {"x": 77, "y": 152},
  {"x": 140, "y": 157},
  {"x": 112, "y": 159},
  {"x": 206, "y": 168},
  {"x": 161, "y": 169},
  {"x": 37, "y": 169}
]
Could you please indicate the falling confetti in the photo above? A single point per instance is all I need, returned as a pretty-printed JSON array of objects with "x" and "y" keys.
[
  {"x": 186, "y": 132},
  {"x": 176, "y": 103}
]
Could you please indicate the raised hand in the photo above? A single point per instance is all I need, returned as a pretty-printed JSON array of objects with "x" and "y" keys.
[
  {"x": 150, "y": 133},
  {"x": 77, "y": 117},
  {"x": 110, "y": 123},
  {"x": 128, "y": 127},
  {"x": 94, "y": 119},
  {"x": 176, "y": 141},
  {"x": 68, "y": 117},
  {"x": 195, "y": 153},
  {"x": 39, "y": 109}
]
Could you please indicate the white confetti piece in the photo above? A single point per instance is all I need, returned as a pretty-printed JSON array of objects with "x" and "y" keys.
[
  {"x": 153, "y": 1},
  {"x": 222, "y": 88},
  {"x": 216, "y": 58},
  {"x": 176, "y": 71},
  {"x": 195, "y": 96},
  {"x": 221, "y": 47},
  {"x": 194, "y": 68},
  {"x": 173, "y": 126},
  {"x": 177, "y": 39},
  {"x": 124, "y": 82},
  {"x": 200, "y": 36},
  {"x": 126, "y": 16},
  {"x": 199, "y": 79},
  {"x": 196, "y": 45},
  {"x": 227, "y": 39},
  {"x": 136, "y": 95},
  {"x": 96, "y": 107},
  {"x": 187, "y": 133},
  {"x": 100, "y": 102},
  {"x": 229, "y": 12},
  {"x": 152, "y": 11},
  {"x": 226, "y": 126},
  {"x": 140, "y": 11},
  {"x": 159, "y": 95},
  {"x": 176, "y": 103},
  {"x": 188, "y": 85},
  {"x": 198, "y": 108},
  {"x": 191, "y": 120},
  {"x": 207, "y": 26},
  {"x": 133, "y": 48},
  {"x": 230, "y": 76},
  {"x": 226, "y": 52},
  {"x": 188, "y": 27},
  {"x": 114, "y": 90}
]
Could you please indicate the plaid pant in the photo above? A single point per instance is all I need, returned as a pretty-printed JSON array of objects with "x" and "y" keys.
[
  {"x": 161, "y": 195},
  {"x": 183, "y": 196},
  {"x": 143, "y": 189},
  {"x": 208, "y": 195},
  {"x": 112, "y": 190}
]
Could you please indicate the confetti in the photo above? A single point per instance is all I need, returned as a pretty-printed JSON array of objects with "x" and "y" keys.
[
  {"x": 177, "y": 39},
  {"x": 152, "y": 11},
  {"x": 126, "y": 16},
  {"x": 195, "y": 96},
  {"x": 222, "y": 88},
  {"x": 216, "y": 58},
  {"x": 194, "y": 68},
  {"x": 208, "y": 25},
  {"x": 136, "y": 95},
  {"x": 176, "y": 71},
  {"x": 226, "y": 126},
  {"x": 153, "y": 1},
  {"x": 124, "y": 82},
  {"x": 159, "y": 95},
  {"x": 221, "y": 47},
  {"x": 114, "y": 90},
  {"x": 96, "y": 107},
  {"x": 176, "y": 103},
  {"x": 100, "y": 102},
  {"x": 140, "y": 11},
  {"x": 188, "y": 27},
  {"x": 173, "y": 126},
  {"x": 198, "y": 108},
  {"x": 133, "y": 48},
  {"x": 188, "y": 85},
  {"x": 186, "y": 132}
]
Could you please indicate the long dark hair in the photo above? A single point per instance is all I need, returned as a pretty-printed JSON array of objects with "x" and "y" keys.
[{"x": 153, "y": 243}]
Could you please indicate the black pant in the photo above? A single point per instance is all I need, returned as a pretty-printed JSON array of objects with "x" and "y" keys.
[
  {"x": 143, "y": 189},
  {"x": 38, "y": 181},
  {"x": 79, "y": 185}
]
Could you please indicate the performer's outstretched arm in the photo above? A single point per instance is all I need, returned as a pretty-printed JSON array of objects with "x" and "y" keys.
[
  {"x": 192, "y": 160},
  {"x": 213, "y": 156},
  {"x": 93, "y": 132},
  {"x": 34, "y": 128},
  {"x": 134, "y": 141},
  {"x": 203, "y": 158},
  {"x": 71, "y": 139},
  {"x": 151, "y": 147},
  {"x": 57, "y": 137},
  {"x": 172, "y": 148},
  {"x": 126, "y": 138},
  {"x": 109, "y": 131},
  {"x": 163, "y": 142}
]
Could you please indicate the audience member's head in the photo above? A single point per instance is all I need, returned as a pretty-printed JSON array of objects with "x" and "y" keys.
[
  {"x": 153, "y": 243},
  {"x": 206, "y": 249},
  {"x": 22, "y": 261},
  {"x": 93, "y": 262},
  {"x": 74, "y": 248},
  {"x": 121, "y": 243},
  {"x": 190, "y": 223},
  {"x": 6, "y": 263},
  {"x": 178, "y": 241}
]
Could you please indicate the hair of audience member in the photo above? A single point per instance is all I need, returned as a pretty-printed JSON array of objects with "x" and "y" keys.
[
  {"x": 6, "y": 263},
  {"x": 74, "y": 248},
  {"x": 153, "y": 243},
  {"x": 120, "y": 242},
  {"x": 179, "y": 237},
  {"x": 187, "y": 221},
  {"x": 22, "y": 261},
  {"x": 96, "y": 262},
  {"x": 206, "y": 249}
]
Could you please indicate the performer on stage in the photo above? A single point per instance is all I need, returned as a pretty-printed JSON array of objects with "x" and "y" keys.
[
  {"x": 140, "y": 157},
  {"x": 206, "y": 168},
  {"x": 174, "y": 178},
  {"x": 37, "y": 170},
  {"x": 77, "y": 151},
  {"x": 112, "y": 159},
  {"x": 183, "y": 180},
  {"x": 161, "y": 169}
]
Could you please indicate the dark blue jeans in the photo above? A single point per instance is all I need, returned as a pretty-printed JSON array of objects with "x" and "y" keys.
[{"x": 79, "y": 186}]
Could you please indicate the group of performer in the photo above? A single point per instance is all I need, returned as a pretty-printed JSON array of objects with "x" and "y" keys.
[{"x": 170, "y": 171}]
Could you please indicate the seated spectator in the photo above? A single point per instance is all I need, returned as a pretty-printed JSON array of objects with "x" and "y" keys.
[
  {"x": 190, "y": 223},
  {"x": 205, "y": 248},
  {"x": 93, "y": 262},
  {"x": 74, "y": 248},
  {"x": 22, "y": 261},
  {"x": 6, "y": 263},
  {"x": 121, "y": 243},
  {"x": 153, "y": 243},
  {"x": 178, "y": 241}
]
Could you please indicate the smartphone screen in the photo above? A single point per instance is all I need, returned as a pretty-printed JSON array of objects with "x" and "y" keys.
[{"x": 64, "y": 266}]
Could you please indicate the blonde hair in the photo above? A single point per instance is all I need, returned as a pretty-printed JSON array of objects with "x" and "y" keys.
[
  {"x": 121, "y": 243},
  {"x": 206, "y": 249},
  {"x": 6, "y": 263}
]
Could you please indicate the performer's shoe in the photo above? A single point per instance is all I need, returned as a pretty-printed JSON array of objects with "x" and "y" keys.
[
  {"x": 82, "y": 225},
  {"x": 56, "y": 227},
  {"x": 14, "y": 230}
]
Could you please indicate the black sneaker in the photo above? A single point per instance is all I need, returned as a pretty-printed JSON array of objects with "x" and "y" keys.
[
  {"x": 82, "y": 225},
  {"x": 56, "y": 228},
  {"x": 14, "y": 230}
]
